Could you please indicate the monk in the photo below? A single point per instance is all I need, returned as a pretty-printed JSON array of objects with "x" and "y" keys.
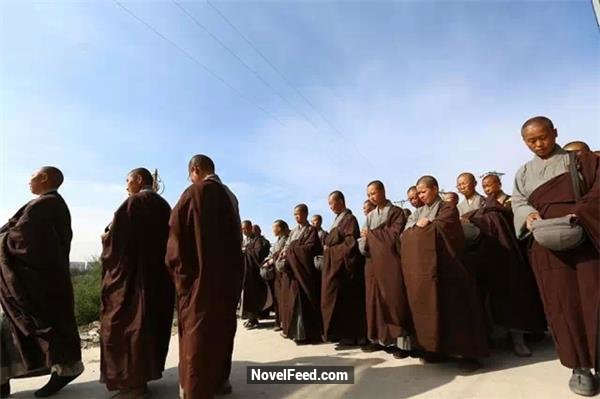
[
  {"x": 413, "y": 197},
  {"x": 38, "y": 329},
  {"x": 492, "y": 187},
  {"x": 343, "y": 282},
  {"x": 556, "y": 184},
  {"x": 205, "y": 261},
  {"x": 446, "y": 310},
  {"x": 508, "y": 288},
  {"x": 138, "y": 297},
  {"x": 466, "y": 183},
  {"x": 451, "y": 198},
  {"x": 367, "y": 207},
  {"x": 388, "y": 317},
  {"x": 257, "y": 296},
  {"x": 317, "y": 222},
  {"x": 577, "y": 146},
  {"x": 302, "y": 310},
  {"x": 281, "y": 231}
]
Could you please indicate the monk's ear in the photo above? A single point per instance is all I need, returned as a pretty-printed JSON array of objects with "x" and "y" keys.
[{"x": 44, "y": 177}]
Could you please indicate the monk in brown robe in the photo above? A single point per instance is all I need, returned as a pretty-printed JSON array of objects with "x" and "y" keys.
[
  {"x": 343, "y": 280},
  {"x": 281, "y": 231},
  {"x": 367, "y": 207},
  {"x": 138, "y": 296},
  {"x": 557, "y": 184},
  {"x": 492, "y": 187},
  {"x": 413, "y": 197},
  {"x": 302, "y": 310},
  {"x": 38, "y": 329},
  {"x": 509, "y": 290},
  {"x": 446, "y": 310},
  {"x": 256, "y": 296},
  {"x": 388, "y": 316},
  {"x": 205, "y": 259}
]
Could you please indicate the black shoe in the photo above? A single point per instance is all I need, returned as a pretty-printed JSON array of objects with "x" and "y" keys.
[
  {"x": 55, "y": 384},
  {"x": 372, "y": 347},
  {"x": 401, "y": 354},
  {"x": 225, "y": 389},
  {"x": 346, "y": 344},
  {"x": 583, "y": 383},
  {"x": 5, "y": 390},
  {"x": 277, "y": 328}
]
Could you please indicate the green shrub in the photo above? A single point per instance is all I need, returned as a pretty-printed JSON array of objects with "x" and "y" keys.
[{"x": 87, "y": 290}]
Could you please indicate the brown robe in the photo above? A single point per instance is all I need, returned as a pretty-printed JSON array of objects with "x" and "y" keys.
[
  {"x": 138, "y": 296},
  {"x": 302, "y": 308},
  {"x": 343, "y": 282},
  {"x": 257, "y": 296},
  {"x": 36, "y": 293},
  {"x": 508, "y": 280},
  {"x": 387, "y": 311},
  {"x": 445, "y": 306},
  {"x": 569, "y": 281},
  {"x": 205, "y": 259}
]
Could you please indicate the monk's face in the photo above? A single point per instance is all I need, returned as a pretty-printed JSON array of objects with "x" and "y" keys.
[
  {"x": 276, "y": 230},
  {"x": 133, "y": 184},
  {"x": 540, "y": 139},
  {"x": 491, "y": 185},
  {"x": 427, "y": 194},
  {"x": 413, "y": 197},
  {"x": 256, "y": 230},
  {"x": 336, "y": 204},
  {"x": 466, "y": 185},
  {"x": 300, "y": 216},
  {"x": 451, "y": 198},
  {"x": 368, "y": 207},
  {"x": 38, "y": 183},
  {"x": 247, "y": 229},
  {"x": 376, "y": 195},
  {"x": 316, "y": 222},
  {"x": 196, "y": 175}
]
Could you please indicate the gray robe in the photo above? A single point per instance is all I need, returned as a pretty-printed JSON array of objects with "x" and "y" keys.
[
  {"x": 529, "y": 177},
  {"x": 472, "y": 204},
  {"x": 375, "y": 218},
  {"x": 426, "y": 211}
]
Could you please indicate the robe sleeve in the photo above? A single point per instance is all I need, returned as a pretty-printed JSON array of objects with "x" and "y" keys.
[
  {"x": 412, "y": 219},
  {"x": 117, "y": 241},
  {"x": 520, "y": 205},
  {"x": 587, "y": 208},
  {"x": 176, "y": 260}
]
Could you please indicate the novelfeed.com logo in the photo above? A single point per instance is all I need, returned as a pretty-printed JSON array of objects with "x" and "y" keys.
[{"x": 300, "y": 375}]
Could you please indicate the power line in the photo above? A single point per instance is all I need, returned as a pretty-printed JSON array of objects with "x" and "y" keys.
[
  {"x": 248, "y": 67},
  {"x": 197, "y": 62},
  {"x": 281, "y": 74}
]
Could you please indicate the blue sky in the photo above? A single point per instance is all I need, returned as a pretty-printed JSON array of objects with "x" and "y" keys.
[{"x": 411, "y": 88}]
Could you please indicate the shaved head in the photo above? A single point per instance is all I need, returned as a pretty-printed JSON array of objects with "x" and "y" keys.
[
  {"x": 55, "y": 176},
  {"x": 577, "y": 146},
  {"x": 202, "y": 162},
  {"x": 494, "y": 178},
  {"x": 144, "y": 174},
  {"x": 376, "y": 183},
  {"x": 467, "y": 175},
  {"x": 337, "y": 195},
  {"x": 538, "y": 121},
  {"x": 428, "y": 181}
]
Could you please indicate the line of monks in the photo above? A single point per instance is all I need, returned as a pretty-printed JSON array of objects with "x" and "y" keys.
[{"x": 439, "y": 283}]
